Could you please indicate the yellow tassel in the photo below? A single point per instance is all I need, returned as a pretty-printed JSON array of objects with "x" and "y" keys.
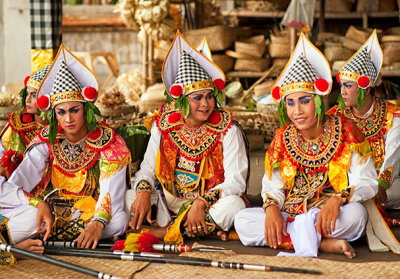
[{"x": 131, "y": 242}]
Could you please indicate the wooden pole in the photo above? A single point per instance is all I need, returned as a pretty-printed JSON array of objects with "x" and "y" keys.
[
  {"x": 292, "y": 29},
  {"x": 157, "y": 258},
  {"x": 150, "y": 58},
  {"x": 145, "y": 62},
  {"x": 81, "y": 269},
  {"x": 321, "y": 16}
]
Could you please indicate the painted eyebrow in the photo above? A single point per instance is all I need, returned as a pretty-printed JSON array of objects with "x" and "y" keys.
[
  {"x": 77, "y": 106},
  {"x": 300, "y": 98}
]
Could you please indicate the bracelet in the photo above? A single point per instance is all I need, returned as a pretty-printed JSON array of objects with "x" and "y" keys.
[
  {"x": 268, "y": 202},
  {"x": 143, "y": 185},
  {"x": 101, "y": 220}
]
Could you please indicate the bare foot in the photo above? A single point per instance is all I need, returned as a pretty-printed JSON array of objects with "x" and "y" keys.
[
  {"x": 31, "y": 245},
  {"x": 222, "y": 235},
  {"x": 339, "y": 246},
  {"x": 157, "y": 231}
]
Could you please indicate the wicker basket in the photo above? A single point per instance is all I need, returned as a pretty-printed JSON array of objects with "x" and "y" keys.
[
  {"x": 269, "y": 115},
  {"x": 255, "y": 46},
  {"x": 280, "y": 37},
  {"x": 360, "y": 35},
  {"x": 392, "y": 54},
  {"x": 254, "y": 65},
  {"x": 218, "y": 37},
  {"x": 224, "y": 62},
  {"x": 279, "y": 50},
  {"x": 117, "y": 113},
  {"x": 351, "y": 44},
  {"x": 337, "y": 53},
  {"x": 336, "y": 6},
  {"x": 279, "y": 61},
  {"x": 238, "y": 55},
  {"x": 263, "y": 88}
]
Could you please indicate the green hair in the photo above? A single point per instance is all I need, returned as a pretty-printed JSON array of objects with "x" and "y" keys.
[
  {"x": 22, "y": 102},
  {"x": 90, "y": 111}
]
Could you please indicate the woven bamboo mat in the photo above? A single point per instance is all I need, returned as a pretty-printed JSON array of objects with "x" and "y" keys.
[
  {"x": 330, "y": 269},
  {"x": 33, "y": 269}
]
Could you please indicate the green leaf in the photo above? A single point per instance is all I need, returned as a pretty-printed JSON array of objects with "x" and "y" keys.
[
  {"x": 168, "y": 97},
  {"x": 252, "y": 105},
  {"x": 360, "y": 97},
  {"x": 53, "y": 126},
  {"x": 22, "y": 103},
  {"x": 186, "y": 106},
  {"x": 179, "y": 102},
  {"x": 341, "y": 102},
  {"x": 43, "y": 115},
  {"x": 319, "y": 107},
  {"x": 282, "y": 114}
]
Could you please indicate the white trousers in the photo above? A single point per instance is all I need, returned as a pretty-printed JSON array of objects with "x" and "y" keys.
[
  {"x": 350, "y": 225},
  {"x": 22, "y": 223},
  {"x": 393, "y": 194},
  {"x": 223, "y": 211}
]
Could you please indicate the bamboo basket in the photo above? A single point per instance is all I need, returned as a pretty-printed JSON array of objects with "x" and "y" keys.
[
  {"x": 351, "y": 44},
  {"x": 218, "y": 37},
  {"x": 279, "y": 61},
  {"x": 392, "y": 54},
  {"x": 224, "y": 62},
  {"x": 337, "y": 53},
  {"x": 263, "y": 88},
  {"x": 360, "y": 35},
  {"x": 336, "y": 6},
  {"x": 254, "y": 46},
  {"x": 238, "y": 55},
  {"x": 270, "y": 118},
  {"x": 254, "y": 65},
  {"x": 279, "y": 50},
  {"x": 4, "y": 112}
]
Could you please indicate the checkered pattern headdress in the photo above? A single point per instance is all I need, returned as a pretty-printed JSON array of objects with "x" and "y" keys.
[
  {"x": 363, "y": 67},
  {"x": 306, "y": 71},
  {"x": 46, "y": 19},
  {"x": 186, "y": 70},
  {"x": 67, "y": 80},
  {"x": 36, "y": 79}
]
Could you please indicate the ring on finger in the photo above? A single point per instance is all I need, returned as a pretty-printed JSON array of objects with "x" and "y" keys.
[
  {"x": 199, "y": 228},
  {"x": 132, "y": 215},
  {"x": 194, "y": 228}
]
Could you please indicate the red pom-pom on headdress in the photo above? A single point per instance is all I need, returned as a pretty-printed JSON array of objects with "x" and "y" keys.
[
  {"x": 214, "y": 118},
  {"x": 363, "y": 82},
  {"x": 321, "y": 86},
  {"x": 89, "y": 93},
  {"x": 176, "y": 90},
  {"x": 219, "y": 83},
  {"x": 43, "y": 102},
  {"x": 275, "y": 93},
  {"x": 26, "y": 80},
  {"x": 338, "y": 77}
]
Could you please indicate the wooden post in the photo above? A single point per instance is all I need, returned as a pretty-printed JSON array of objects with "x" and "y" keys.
[
  {"x": 292, "y": 29},
  {"x": 145, "y": 64},
  {"x": 150, "y": 58},
  {"x": 321, "y": 16}
]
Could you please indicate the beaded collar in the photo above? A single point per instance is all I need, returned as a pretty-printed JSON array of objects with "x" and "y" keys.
[
  {"x": 373, "y": 125},
  {"x": 314, "y": 153},
  {"x": 26, "y": 130},
  {"x": 69, "y": 158},
  {"x": 193, "y": 143}
]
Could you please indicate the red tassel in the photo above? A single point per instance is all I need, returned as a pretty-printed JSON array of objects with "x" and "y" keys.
[
  {"x": 119, "y": 245},
  {"x": 146, "y": 241}
]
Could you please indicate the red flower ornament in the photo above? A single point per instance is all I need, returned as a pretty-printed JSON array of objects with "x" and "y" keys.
[
  {"x": 275, "y": 93},
  {"x": 219, "y": 83},
  {"x": 176, "y": 90},
  {"x": 214, "y": 117},
  {"x": 174, "y": 117},
  {"x": 89, "y": 93},
  {"x": 26, "y": 80},
  {"x": 321, "y": 86},
  {"x": 43, "y": 102},
  {"x": 27, "y": 118},
  {"x": 363, "y": 82}
]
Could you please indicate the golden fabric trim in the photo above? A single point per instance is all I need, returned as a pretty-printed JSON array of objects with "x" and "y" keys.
[
  {"x": 189, "y": 88},
  {"x": 338, "y": 169},
  {"x": 148, "y": 122},
  {"x": 6, "y": 138},
  {"x": 174, "y": 234},
  {"x": 297, "y": 87},
  {"x": 73, "y": 183},
  {"x": 66, "y": 97},
  {"x": 33, "y": 83},
  {"x": 385, "y": 177},
  {"x": 347, "y": 75},
  {"x": 363, "y": 149},
  {"x": 109, "y": 168},
  {"x": 104, "y": 209},
  {"x": 87, "y": 205}
]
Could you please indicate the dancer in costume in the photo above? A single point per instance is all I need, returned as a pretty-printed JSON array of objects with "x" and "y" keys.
[
  {"x": 318, "y": 168},
  {"x": 23, "y": 124},
  {"x": 379, "y": 120},
  {"x": 85, "y": 162},
  {"x": 195, "y": 167}
]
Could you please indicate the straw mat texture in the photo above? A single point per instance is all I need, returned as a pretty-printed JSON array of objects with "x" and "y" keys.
[
  {"x": 330, "y": 269},
  {"x": 33, "y": 269}
]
